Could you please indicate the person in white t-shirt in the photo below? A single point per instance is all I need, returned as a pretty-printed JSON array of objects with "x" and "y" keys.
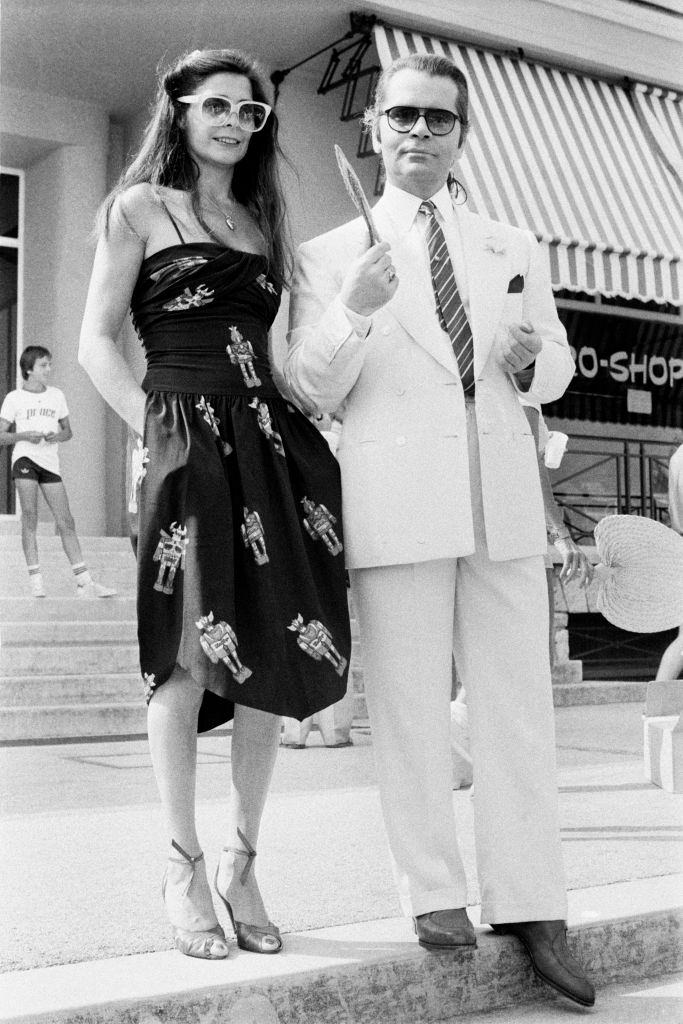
[
  {"x": 34, "y": 419},
  {"x": 671, "y": 665}
]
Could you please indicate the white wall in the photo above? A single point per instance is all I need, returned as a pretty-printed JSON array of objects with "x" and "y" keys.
[
  {"x": 63, "y": 191},
  {"x": 65, "y": 145}
]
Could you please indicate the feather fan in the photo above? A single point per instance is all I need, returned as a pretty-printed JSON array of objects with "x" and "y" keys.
[{"x": 355, "y": 190}]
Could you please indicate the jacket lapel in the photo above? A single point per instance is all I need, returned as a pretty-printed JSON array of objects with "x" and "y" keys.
[{"x": 411, "y": 298}]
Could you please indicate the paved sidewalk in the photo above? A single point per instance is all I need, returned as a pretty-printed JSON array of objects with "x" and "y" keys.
[
  {"x": 653, "y": 1002},
  {"x": 82, "y": 854}
]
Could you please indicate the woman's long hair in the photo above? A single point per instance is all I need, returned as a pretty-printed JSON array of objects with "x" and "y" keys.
[{"x": 163, "y": 158}]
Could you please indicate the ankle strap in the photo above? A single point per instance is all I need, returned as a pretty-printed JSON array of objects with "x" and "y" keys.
[
  {"x": 249, "y": 853},
  {"x": 190, "y": 860}
]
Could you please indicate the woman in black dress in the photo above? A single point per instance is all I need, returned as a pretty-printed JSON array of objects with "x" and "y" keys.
[{"x": 241, "y": 591}]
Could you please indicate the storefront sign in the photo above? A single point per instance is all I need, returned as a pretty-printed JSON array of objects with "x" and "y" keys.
[{"x": 627, "y": 370}]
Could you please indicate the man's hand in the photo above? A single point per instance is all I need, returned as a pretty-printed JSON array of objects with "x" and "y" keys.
[
  {"x": 32, "y": 436},
  {"x": 370, "y": 281},
  {"x": 575, "y": 565},
  {"x": 520, "y": 348}
]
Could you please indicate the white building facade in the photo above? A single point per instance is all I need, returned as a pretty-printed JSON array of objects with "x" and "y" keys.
[{"x": 576, "y": 134}]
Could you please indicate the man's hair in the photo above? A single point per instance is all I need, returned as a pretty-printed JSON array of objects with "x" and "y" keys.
[
  {"x": 30, "y": 356},
  {"x": 431, "y": 64}
]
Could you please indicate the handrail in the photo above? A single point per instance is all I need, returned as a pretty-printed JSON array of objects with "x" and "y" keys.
[{"x": 638, "y": 478}]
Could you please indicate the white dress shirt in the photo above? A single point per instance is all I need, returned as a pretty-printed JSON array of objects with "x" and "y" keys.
[{"x": 403, "y": 208}]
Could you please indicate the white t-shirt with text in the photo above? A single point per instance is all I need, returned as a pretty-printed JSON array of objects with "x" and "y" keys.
[{"x": 36, "y": 410}]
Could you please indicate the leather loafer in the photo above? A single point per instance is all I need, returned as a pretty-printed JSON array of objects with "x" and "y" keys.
[
  {"x": 444, "y": 929},
  {"x": 546, "y": 944}
]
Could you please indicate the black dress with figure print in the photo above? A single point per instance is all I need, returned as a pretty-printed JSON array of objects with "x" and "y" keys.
[{"x": 241, "y": 576}]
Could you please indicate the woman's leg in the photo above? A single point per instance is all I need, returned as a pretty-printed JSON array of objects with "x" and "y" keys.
[
  {"x": 255, "y": 739},
  {"x": 172, "y": 728}
]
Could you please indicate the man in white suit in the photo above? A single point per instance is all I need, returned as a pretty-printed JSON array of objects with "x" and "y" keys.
[{"x": 423, "y": 342}]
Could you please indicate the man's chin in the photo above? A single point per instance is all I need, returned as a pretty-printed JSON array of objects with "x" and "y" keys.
[{"x": 417, "y": 181}]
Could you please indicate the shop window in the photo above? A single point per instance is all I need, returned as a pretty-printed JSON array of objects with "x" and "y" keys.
[{"x": 629, "y": 365}]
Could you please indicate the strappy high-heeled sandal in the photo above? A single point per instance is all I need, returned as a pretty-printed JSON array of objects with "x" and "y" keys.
[
  {"x": 206, "y": 943},
  {"x": 250, "y": 937}
]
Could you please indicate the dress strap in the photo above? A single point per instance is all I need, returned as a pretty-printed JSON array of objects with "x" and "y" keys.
[{"x": 172, "y": 219}]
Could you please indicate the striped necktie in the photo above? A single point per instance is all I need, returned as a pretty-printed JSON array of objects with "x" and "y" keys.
[{"x": 449, "y": 305}]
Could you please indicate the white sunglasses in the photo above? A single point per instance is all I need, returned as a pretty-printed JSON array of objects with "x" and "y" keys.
[{"x": 217, "y": 111}]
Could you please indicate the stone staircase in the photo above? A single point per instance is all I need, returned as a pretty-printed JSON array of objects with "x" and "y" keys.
[{"x": 68, "y": 667}]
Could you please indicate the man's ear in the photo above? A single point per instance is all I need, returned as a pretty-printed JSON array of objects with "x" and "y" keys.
[{"x": 376, "y": 141}]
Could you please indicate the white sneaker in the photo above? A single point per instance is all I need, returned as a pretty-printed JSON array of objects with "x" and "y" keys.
[
  {"x": 37, "y": 587},
  {"x": 89, "y": 590}
]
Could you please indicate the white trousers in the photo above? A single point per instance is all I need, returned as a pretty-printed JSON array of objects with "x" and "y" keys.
[{"x": 493, "y": 617}]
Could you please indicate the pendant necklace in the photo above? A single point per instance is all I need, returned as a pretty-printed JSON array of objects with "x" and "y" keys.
[{"x": 230, "y": 223}]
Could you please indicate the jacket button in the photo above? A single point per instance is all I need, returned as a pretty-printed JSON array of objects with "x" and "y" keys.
[
  {"x": 386, "y": 330},
  {"x": 400, "y": 441}
]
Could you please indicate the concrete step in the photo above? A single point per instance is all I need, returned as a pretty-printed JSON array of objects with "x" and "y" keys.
[
  {"x": 65, "y": 721},
  {"x": 42, "y": 692},
  {"x": 49, "y": 542},
  {"x": 115, "y": 707},
  {"x": 112, "y": 709},
  {"x": 62, "y": 586},
  {"x": 567, "y": 672},
  {"x": 59, "y": 567},
  {"x": 10, "y": 528},
  {"x": 61, "y": 632},
  {"x": 372, "y": 972},
  {"x": 69, "y": 609},
  {"x": 77, "y": 659},
  {"x": 564, "y": 694},
  {"x": 64, "y": 590},
  {"x": 51, "y": 555},
  {"x": 110, "y": 560},
  {"x": 600, "y": 691}
]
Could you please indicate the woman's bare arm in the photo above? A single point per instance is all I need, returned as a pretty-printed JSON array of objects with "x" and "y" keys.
[{"x": 115, "y": 270}]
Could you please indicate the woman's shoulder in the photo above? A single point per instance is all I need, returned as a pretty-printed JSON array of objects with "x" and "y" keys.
[
  {"x": 140, "y": 205},
  {"x": 138, "y": 202},
  {"x": 132, "y": 210}
]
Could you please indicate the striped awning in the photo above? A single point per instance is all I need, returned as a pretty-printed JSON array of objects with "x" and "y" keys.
[{"x": 592, "y": 168}]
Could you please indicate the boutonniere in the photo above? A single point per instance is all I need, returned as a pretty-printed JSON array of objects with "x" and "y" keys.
[{"x": 494, "y": 244}]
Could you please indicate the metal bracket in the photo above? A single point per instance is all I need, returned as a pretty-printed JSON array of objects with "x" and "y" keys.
[{"x": 360, "y": 25}]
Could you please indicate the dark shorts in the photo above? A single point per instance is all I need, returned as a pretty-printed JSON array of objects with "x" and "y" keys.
[{"x": 27, "y": 469}]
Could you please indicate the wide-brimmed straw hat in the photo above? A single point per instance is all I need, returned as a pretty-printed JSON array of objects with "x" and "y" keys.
[{"x": 640, "y": 575}]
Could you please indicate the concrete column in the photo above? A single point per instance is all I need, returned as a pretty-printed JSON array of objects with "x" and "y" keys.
[{"x": 63, "y": 191}]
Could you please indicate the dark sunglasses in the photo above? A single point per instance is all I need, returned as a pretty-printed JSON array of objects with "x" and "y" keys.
[{"x": 404, "y": 119}]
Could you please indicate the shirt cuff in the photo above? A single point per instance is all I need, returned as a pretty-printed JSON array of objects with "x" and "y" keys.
[{"x": 360, "y": 324}]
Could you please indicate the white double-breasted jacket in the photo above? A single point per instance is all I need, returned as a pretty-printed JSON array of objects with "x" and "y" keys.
[{"x": 403, "y": 449}]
